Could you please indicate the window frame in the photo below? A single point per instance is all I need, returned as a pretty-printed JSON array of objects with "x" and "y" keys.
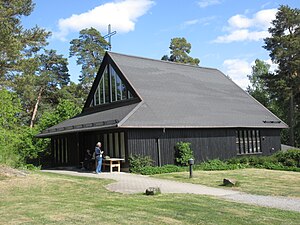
[
  {"x": 115, "y": 84},
  {"x": 248, "y": 142}
]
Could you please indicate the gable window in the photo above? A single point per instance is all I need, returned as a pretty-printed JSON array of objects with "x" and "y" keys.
[
  {"x": 248, "y": 142},
  {"x": 111, "y": 88}
]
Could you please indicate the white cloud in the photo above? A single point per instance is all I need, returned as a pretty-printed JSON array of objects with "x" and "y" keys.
[
  {"x": 190, "y": 22},
  {"x": 242, "y": 35},
  {"x": 237, "y": 70},
  {"x": 122, "y": 15},
  {"x": 242, "y": 28},
  {"x": 239, "y": 21},
  {"x": 203, "y": 21},
  {"x": 206, "y": 3}
]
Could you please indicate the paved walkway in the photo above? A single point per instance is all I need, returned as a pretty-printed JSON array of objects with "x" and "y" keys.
[{"x": 131, "y": 183}]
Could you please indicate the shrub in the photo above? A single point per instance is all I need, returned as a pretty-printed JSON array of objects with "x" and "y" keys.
[
  {"x": 137, "y": 162},
  {"x": 289, "y": 158},
  {"x": 183, "y": 153},
  {"x": 254, "y": 161},
  {"x": 151, "y": 170},
  {"x": 217, "y": 164}
]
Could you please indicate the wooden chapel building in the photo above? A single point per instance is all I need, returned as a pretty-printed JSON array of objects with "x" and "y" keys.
[{"x": 144, "y": 106}]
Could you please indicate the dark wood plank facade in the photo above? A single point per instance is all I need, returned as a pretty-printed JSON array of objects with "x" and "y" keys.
[
  {"x": 159, "y": 144},
  {"x": 205, "y": 143}
]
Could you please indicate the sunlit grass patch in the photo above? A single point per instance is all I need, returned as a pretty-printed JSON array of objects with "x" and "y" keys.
[{"x": 58, "y": 199}]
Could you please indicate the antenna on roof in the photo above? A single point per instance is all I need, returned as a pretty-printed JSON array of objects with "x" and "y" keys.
[{"x": 109, "y": 37}]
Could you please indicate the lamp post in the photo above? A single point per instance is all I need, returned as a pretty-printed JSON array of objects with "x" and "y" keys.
[{"x": 191, "y": 163}]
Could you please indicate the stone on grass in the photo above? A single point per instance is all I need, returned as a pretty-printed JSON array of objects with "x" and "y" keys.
[
  {"x": 153, "y": 191},
  {"x": 230, "y": 182}
]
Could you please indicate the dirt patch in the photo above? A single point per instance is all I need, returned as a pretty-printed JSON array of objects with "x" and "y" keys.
[{"x": 7, "y": 172}]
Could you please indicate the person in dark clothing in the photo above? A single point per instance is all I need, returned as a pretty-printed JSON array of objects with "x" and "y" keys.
[
  {"x": 87, "y": 163},
  {"x": 98, "y": 156}
]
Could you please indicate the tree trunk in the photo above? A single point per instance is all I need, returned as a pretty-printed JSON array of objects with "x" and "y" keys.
[
  {"x": 291, "y": 122},
  {"x": 36, "y": 107}
]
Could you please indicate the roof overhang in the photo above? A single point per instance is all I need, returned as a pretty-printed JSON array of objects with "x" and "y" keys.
[{"x": 78, "y": 128}]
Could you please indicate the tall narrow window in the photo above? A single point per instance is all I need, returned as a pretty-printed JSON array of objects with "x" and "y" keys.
[
  {"x": 241, "y": 138},
  {"x": 55, "y": 150},
  {"x": 254, "y": 143},
  {"x": 113, "y": 77},
  {"x": 105, "y": 144},
  {"x": 58, "y": 150},
  {"x": 237, "y": 142},
  {"x": 62, "y": 152},
  {"x": 124, "y": 91},
  {"x": 111, "y": 145},
  {"x": 66, "y": 150},
  {"x": 119, "y": 88},
  {"x": 106, "y": 85},
  {"x": 116, "y": 145},
  {"x": 122, "y": 145},
  {"x": 258, "y": 141},
  {"x": 248, "y": 142},
  {"x": 101, "y": 92}
]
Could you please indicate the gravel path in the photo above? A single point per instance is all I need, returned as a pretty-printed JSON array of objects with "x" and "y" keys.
[{"x": 131, "y": 183}]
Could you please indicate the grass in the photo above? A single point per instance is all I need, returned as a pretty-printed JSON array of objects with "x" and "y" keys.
[
  {"x": 41, "y": 198},
  {"x": 254, "y": 181}
]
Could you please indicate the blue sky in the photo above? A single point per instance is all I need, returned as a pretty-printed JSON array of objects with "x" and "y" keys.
[{"x": 224, "y": 34}]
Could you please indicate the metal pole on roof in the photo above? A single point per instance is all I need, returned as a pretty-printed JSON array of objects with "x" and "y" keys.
[{"x": 109, "y": 34}]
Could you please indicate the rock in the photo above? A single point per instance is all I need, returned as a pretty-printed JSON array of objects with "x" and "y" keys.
[
  {"x": 229, "y": 182},
  {"x": 152, "y": 191}
]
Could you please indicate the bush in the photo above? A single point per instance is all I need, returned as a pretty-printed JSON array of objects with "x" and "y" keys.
[
  {"x": 151, "y": 170},
  {"x": 254, "y": 161},
  {"x": 137, "y": 162},
  {"x": 217, "y": 164},
  {"x": 183, "y": 153},
  {"x": 289, "y": 158}
]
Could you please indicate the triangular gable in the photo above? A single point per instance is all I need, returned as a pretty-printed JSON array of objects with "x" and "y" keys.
[{"x": 110, "y": 86}]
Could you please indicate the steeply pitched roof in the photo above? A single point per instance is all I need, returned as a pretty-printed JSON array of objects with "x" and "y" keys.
[
  {"x": 177, "y": 95},
  {"x": 174, "y": 95}
]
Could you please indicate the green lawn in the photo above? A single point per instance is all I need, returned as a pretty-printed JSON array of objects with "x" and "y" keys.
[
  {"x": 254, "y": 181},
  {"x": 57, "y": 199}
]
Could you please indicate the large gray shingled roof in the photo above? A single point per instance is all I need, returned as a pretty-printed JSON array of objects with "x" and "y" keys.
[
  {"x": 178, "y": 95},
  {"x": 175, "y": 96}
]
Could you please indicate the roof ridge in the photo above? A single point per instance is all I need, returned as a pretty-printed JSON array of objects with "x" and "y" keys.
[{"x": 162, "y": 61}]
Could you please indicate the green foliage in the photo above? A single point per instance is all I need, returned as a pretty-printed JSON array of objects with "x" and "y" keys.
[
  {"x": 89, "y": 49},
  {"x": 283, "y": 46},
  {"x": 74, "y": 93},
  {"x": 138, "y": 162},
  {"x": 17, "y": 43},
  {"x": 183, "y": 153},
  {"x": 39, "y": 82},
  {"x": 9, "y": 133},
  {"x": 64, "y": 110},
  {"x": 289, "y": 158},
  {"x": 151, "y": 170},
  {"x": 217, "y": 164},
  {"x": 258, "y": 86},
  {"x": 33, "y": 78},
  {"x": 179, "y": 50},
  {"x": 10, "y": 107}
]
